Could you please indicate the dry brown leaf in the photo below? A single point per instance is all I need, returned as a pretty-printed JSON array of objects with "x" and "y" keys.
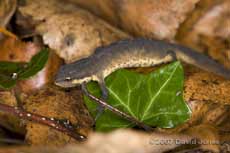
[
  {"x": 103, "y": 8},
  {"x": 7, "y": 9},
  {"x": 10, "y": 122},
  {"x": 52, "y": 102},
  {"x": 216, "y": 21},
  {"x": 15, "y": 50},
  {"x": 156, "y": 19},
  {"x": 147, "y": 18},
  {"x": 207, "y": 30},
  {"x": 204, "y": 137},
  {"x": 12, "y": 50},
  {"x": 73, "y": 32},
  {"x": 206, "y": 87},
  {"x": 120, "y": 141},
  {"x": 208, "y": 136}
]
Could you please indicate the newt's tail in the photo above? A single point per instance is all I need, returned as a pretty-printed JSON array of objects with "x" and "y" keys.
[{"x": 202, "y": 61}]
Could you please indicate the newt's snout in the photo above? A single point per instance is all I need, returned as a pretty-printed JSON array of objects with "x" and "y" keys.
[
  {"x": 65, "y": 82},
  {"x": 63, "y": 78}
]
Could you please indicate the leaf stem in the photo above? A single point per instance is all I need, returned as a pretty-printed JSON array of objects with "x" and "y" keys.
[
  {"x": 16, "y": 92},
  {"x": 7, "y": 33},
  {"x": 115, "y": 110},
  {"x": 64, "y": 127}
]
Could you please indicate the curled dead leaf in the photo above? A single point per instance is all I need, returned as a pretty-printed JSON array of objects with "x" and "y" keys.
[
  {"x": 146, "y": 18},
  {"x": 207, "y": 30},
  {"x": 7, "y": 9},
  {"x": 135, "y": 142},
  {"x": 71, "y": 31}
]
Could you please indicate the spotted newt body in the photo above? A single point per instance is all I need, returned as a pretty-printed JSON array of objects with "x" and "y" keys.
[{"x": 132, "y": 53}]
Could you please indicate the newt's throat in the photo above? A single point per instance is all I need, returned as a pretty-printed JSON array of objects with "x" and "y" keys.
[{"x": 85, "y": 79}]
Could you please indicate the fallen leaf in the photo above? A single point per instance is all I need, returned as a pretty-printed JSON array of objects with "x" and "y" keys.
[
  {"x": 7, "y": 9},
  {"x": 55, "y": 103},
  {"x": 208, "y": 97},
  {"x": 12, "y": 72},
  {"x": 7, "y": 69},
  {"x": 155, "y": 99},
  {"x": 15, "y": 50},
  {"x": 135, "y": 142},
  {"x": 10, "y": 122},
  {"x": 71, "y": 31},
  {"x": 6, "y": 82},
  {"x": 206, "y": 87},
  {"x": 36, "y": 64},
  {"x": 152, "y": 19},
  {"x": 141, "y": 142},
  {"x": 207, "y": 30},
  {"x": 208, "y": 136}
]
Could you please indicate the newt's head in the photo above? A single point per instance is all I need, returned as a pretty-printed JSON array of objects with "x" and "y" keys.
[{"x": 73, "y": 74}]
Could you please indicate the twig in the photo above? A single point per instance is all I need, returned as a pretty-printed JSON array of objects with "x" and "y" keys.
[
  {"x": 62, "y": 126},
  {"x": 12, "y": 141},
  {"x": 7, "y": 33},
  {"x": 115, "y": 110}
]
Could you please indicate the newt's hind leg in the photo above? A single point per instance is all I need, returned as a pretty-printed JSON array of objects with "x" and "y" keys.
[{"x": 172, "y": 54}]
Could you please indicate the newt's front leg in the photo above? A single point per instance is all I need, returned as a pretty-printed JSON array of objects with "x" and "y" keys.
[{"x": 104, "y": 97}]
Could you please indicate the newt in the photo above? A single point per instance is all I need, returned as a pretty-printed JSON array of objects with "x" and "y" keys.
[{"x": 138, "y": 52}]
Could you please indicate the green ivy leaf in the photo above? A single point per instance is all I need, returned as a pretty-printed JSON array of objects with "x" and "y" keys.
[
  {"x": 155, "y": 99},
  {"x": 21, "y": 70},
  {"x": 36, "y": 64},
  {"x": 11, "y": 67},
  {"x": 6, "y": 72},
  {"x": 6, "y": 82}
]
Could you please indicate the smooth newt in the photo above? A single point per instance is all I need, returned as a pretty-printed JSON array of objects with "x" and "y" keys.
[{"x": 132, "y": 53}]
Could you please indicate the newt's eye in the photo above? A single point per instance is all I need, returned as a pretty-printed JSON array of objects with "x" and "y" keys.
[{"x": 68, "y": 78}]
